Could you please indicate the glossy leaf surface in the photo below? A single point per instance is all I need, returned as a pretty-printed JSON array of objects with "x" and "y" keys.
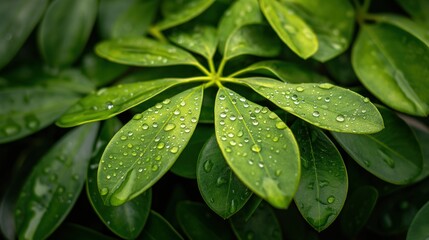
[
  {"x": 324, "y": 105},
  {"x": 127, "y": 220},
  {"x": 143, "y": 52},
  {"x": 38, "y": 107},
  {"x": 19, "y": 18},
  {"x": 419, "y": 226},
  {"x": 222, "y": 191},
  {"x": 291, "y": 28},
  {"x": 74, "y": 19},
  {"x": 393, "y": 154},
  {"x": 397, "y": 75},
  {"x": 108, "y": 102},
  {"x": 157, "y": 227},
  {"x": 147, "y": 146},
  {"x": 258, "y": 146},
  {"x": 323, "y": 186},
  {"x": 422, "y": 136},
  {"x": 252, "y": 39},
  {"x": 417, "y": 9},
  {"x": 54, "y": 184}
]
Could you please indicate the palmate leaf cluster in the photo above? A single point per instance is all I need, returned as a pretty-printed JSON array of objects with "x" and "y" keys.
[{"x": 248, "y": 99}]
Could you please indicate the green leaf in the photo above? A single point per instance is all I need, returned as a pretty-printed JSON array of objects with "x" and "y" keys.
[
  {"x": 186, "y": 164},
  {"x": 65, "y": 29},
  {"x": 240, "y": 13},
  {"x": 258, "y": 146},
  {"x": 147, "y": 146},
  {"x": 101, "y": 71},
  {"x": 108, "y": 102},
  {"x": 395, "y": 74},
  {"x": 392, "y": 155},
  {"x": 19, "y": 17},
  {"x": 358, "y": 209},
  {"x": 25, "y": 110},
  {"x": 109, "y": 11},
  {"x": 157, "y": 227},
  {"x": 423, "y": 139},
  {"x": 201, "y": 39},
  {"x": 286, "y": 71},
  {"x": 176, "y": 12},
  {"x": 419, "y": 225},
  {"x": 144, "y": 52},
  {"x": 220, "y": 188},
  {"x": 127, "y": 220},
  {"x": 71, "y": 231},
  {"x": 323, "y": 186},
  {"x": 198, "y": 222},
  {"x": 417, "y": 9},
  {"x": 253, "y": 39},
  {"x": 291, "y": 28},
  {"x": 262, "y": 224},
  {"x": 324, "y": 105},
  {"x": 53, "y": 186},
  {"x": 331, "y": 20}
]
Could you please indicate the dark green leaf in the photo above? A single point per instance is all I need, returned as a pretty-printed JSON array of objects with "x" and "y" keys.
[
  {"x": 392, "y": 155},
  {"x": 323, "y": 186},
  {"x": 54, "y": 184},
  {"x": 417, "y": 9},
  {"x": 420, "y": 225},
  {"x": 207, "y": 114},
  {"x": 25, "y": 110},
  {"x": 258, "y": 146},
  {"x": 220, "y": 188},
  {"x": 158, "y": 228},
  {"x": 19, "y": 17},
  {"x": 199, "y": 223},
  {"x": 392, "y": 64},
  {"x": 422, "y": 136},
  {"x": 72, "y": 232},
  {"x": 324, "y": 105},
  {"x": 341, "y": 70},
  {"x": 65, "y": 29},
  {"x": 109, "y": 11},
  {"x": 101, "y": 71},
  {"x": 147, "y": 146},
  {"x": 127, "y": 220},
  {"x": 291, "y": 28}
]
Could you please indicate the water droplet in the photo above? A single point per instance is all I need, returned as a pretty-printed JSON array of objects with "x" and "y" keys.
[
  {"x": 176, "y": 112},
  {"x": 222, "y": 115},
  {"x": 300, "y": 89},
  {"x": 367, "y": 163},
  {"x": 208, "y": 165},
  {"x": 220, "y": 181},
  {"x": 109, "y": 105},
  {"x": 250, "y": 162},
  {"x": 182, "y": 103},
  {"x": 325, "y": 86},
  {"x": 104, "y": 191},
  {"x": 31, "y": 122},
  {"x": 169, "y": 127},
  {"x": 340, "y": 118},
  {"x": 232, "y": 117},
  {"x": 155, "y": 124},
  {"x": 281, "y": 125},
  {"x": 160, "y": 145},
  {"x": 222, "y": 97},
  {"x": 11, "y": 129},
  {"x": 145, "y": 126},
  {"x": 327, "y": 99},
  {"x": 256, "y": 148},
  {"x": 278, "y": 172},
  {"x": 233, "y": 207},
  {"x": 366, "y": 100},
  {"x": 331, "y": 199},
  {"x": 316, "y": 114},
  {"x": 166, "y": 101},
  {"x": 158, "y": 106},
  {"x": 255, "y": 122},
  {"x": 386, "y": 158},
  {"x": 108, "y": 177},
  {"x": 129, "y": 145},
  {"x": 155, "y": 168}
]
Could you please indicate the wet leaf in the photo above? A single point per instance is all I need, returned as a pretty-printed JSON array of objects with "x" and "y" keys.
[
  {"x": 127, "y": 220},
  {"x": 417, "y": 9},
  {"x": 258, "y": 146},
  {"x": 19, "y": 17},
  {"x": 324, "y": 105},
  {"x": 74, "y": 19},
  {"x": 291, "y": 28},
  {"x": 108, "y": 102},
  {"x": 201, "y": 39},
  {"x": 392, "y": 155},
  {"x": 176, "y": 12},
  {"x": 419, "y": 226},
  {"x": 222, "y": 191},
  {"x": 254, "y": 39},
  {"x": 392, "y": 64},
  {"x": 147, "y": 146},
  {"x": 323, "y": 186},
  {"x": 157, "y": 227},
  {"x": 143, "y": 52},
  {"x": 25, "y": 110},
  {"x": 53, "y": 186}
]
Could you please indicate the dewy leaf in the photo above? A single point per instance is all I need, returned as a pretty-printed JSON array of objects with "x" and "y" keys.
[
  {"x": 144, "y": 52},
  {"x": 417, "y": 9},
  {"x": 65, "y": 29},
  {"x": 291, "y": 28},
  {"x": 157, "y": 227},
  {"x": 241, "y": 12},
  {"x": 176, "y": 12},
  {"x": 223, "y": 192},
  {"x": 147, "y": 146},
  {"x": 331, "y": 20},
  {"x": 393, "y": 155},
  {"x": 392, "y": 64},
  {"x": 55, "y": 184},
  {"x": 127, "y": 220},
  {"x": 201, "y": 39},
  {"x": 19, "y": 17},
  {"x": 323, "y": 186},
  {"x": 324, "y": 105},
  {"x": 108, "y": 102},
  {"x": 255, "y": 39},
  {"x": 258, "y": 146},
  {"x": 38, "y": 107},
  {"x": 419, "y": 225},
  {"x": 289, "y": 72}
]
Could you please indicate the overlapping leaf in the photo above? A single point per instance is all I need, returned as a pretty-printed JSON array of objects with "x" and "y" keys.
[
  {"x": 258, "y": 146},
  {"x": 158, "y": 228},
  {"x": 324, "y": 105},
  {"x": 147, "y": 146},
  {"x": 417, "y": 9},
  {"x": 419, "y": 225}
]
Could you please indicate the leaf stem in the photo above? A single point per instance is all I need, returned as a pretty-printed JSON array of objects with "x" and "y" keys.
[
  {"x": 361, "y": 10},
  {"x": 202, "y": 68},
  {"x": 156, "y": 33},
  {"x": 211, "y": 66},
  {"x": 221, "y": 66}
]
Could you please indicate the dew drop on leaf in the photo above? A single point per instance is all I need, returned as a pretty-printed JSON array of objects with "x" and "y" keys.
[
  {"x": 299, "y": 89},
  {"x": 325, "y": 86},
  {"x": 220, "y": 181},
  {"x": 316, "y": 114},
  {"x": 340, "y": 118},
  {"x": 208, "y": 165},
  {"x": 331, "y": 199},
  {"x": 281, "y": 125},
  {"x": 169, "y": 127},
  {"x": 109, "y": 105},
  {"x": 256, "y": 148},
  {"x": 104, "y": 191},
  {"x": 155, "y": 168}
]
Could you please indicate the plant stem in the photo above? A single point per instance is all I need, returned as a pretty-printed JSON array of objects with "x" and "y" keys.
[
  {"x": 211, "y": 66},
  {"x": 221, "y": 66},
  {"x": 154, "y": 31},
  {"x": 361, "y": 10},
  {"x": 202, "y": 68}
]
